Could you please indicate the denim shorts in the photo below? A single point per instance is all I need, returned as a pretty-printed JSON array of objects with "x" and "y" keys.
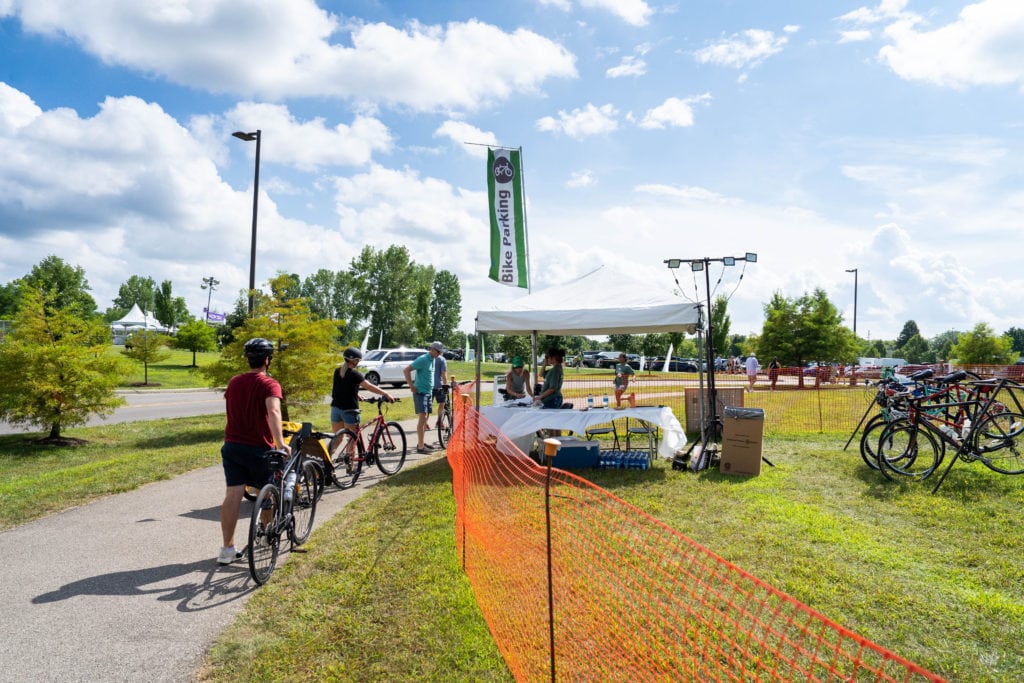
[
  {"x": 552, "y": 401},
  {"x": 348, "y": 416},
  {"x": 421, "y": 402},
  {"x": 244, "y": 464},
  {"x": 440, "y": 395}
]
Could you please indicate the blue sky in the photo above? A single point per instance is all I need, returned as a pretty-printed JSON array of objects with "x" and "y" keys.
[{"x": 823, "y": 136}]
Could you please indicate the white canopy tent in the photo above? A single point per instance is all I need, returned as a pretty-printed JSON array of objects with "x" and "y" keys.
[
  {"x": 134, "y": 318},
  {"x": 601, "y": 302}
]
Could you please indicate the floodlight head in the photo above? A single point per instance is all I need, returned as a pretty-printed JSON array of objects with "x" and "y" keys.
[
  {"x": 696, "y": 266},
  {"x": 729, "y": 261},
  {"x": 751, "y": 257},
  {"x": 673, "y": 262},
  {"x": 248, "y": 137}
]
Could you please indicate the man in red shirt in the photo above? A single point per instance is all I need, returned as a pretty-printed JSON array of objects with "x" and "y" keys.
[{"x": 253, "y": 406}]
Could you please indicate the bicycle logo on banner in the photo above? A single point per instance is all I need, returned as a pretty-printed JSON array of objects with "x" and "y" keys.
[{"x": 503, "y": 170}]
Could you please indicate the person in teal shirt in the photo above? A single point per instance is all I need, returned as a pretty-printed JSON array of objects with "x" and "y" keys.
[
  {"x": 550, "y": 395},
  {"x": 422, "y": 391},
  {"x": 622, "y": 373}
]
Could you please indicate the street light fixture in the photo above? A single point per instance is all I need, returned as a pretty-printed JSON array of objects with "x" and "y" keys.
[
  {"x": 209, "y": 284},
  {"x": 249, "y": 137},
  {"x": 711, "y": 424},
  {"x": 854, "y": 271}
]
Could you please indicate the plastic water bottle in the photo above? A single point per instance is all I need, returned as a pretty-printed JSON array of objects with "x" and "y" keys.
[
  {"x": 590, "y": 400},
  {"x": 950, "y": 432},
  {"x": 966, "y": 429},
  {"x": 289, "y": 486},
  {"x": 604, "y": 400}
]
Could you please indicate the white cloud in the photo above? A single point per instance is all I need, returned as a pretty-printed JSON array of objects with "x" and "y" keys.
[
  {"x": 743, "y": 50},
  {"x": 309, "y": 145},
  {"x": 581, "y": 123},
  {"x": 582, "y": 178},
  {"x": 854, "y": 36},
  {"x": 673, "y": 112},
  {"x": 630, "y": 65},
  {"x": 633, "y": 12},
  {"x": 983, "y": 46},
  {"x": 563, "y": 5},
  {"x": 467, "y": 137},
  {"x": 887, "y": 10},
  {"x": 284, "y": 48}
]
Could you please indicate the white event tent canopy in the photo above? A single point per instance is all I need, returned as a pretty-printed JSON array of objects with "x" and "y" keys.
[{"x": 136, "y": 318}]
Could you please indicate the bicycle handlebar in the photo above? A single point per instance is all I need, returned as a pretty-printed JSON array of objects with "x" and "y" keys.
[{"x": 379, "y": 399}]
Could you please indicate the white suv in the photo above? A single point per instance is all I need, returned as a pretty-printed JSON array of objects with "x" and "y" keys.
[{"x": 386, "y": 366}]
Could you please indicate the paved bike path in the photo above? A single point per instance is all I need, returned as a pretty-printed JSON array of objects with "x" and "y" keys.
[{"x": 127, "y": 588}]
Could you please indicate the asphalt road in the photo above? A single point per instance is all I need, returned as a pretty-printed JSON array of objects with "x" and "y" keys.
[{"x": 127, "y": 588}]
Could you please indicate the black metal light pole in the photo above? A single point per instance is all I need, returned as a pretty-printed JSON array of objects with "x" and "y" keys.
[
  {"x": 209, "y": 284},
  {"x": 711, "y": 429},
  {"x": 249, "y": 137},
  {"x": 854, "y": 271}
]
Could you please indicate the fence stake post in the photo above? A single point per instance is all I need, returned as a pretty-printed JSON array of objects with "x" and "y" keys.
[{"x": 550, "y": 447}]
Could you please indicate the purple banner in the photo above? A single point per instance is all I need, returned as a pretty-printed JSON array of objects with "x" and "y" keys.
[{"x": 212, "y": 317}]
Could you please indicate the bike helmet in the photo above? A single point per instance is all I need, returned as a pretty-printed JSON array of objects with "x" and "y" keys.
[
  {"x": 352, "y": 353},
  {"x": 258, "y": 347}
]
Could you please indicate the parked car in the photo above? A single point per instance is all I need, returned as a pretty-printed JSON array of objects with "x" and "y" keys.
[
  {"x": 387, "y": 366},
  {"x": 452, "y": 354},
  {"x": 590, "y": 359},
  {"x": 607, "y": 359},
  {"x": 676, "y": 364}
]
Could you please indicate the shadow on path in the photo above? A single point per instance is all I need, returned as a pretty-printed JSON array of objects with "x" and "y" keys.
[{"x": 195, "y": 585}]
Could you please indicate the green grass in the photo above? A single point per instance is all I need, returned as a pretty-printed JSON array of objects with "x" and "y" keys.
[
  {"x": 938, "y": 579},
  {"x": 175, "y": 372}
]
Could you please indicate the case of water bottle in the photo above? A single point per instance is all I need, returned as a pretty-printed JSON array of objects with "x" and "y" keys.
[{"x": 624, "y": 460}]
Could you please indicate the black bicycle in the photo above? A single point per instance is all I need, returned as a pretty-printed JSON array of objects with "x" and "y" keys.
[
  {"x": 386, "y": 447},
  {"x": 285, "y": 506}
]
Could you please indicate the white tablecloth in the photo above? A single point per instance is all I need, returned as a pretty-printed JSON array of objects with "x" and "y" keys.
[{"x": 518, "y": 422}]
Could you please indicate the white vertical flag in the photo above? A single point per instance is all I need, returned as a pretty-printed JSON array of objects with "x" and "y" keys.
[{"x": 508, "y": 217}]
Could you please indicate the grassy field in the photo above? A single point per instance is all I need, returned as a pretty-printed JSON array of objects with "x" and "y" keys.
[{"x": 379, "y": 595}]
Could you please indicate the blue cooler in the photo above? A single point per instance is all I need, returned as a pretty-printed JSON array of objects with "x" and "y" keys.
[{"x": 576, "y": 454}]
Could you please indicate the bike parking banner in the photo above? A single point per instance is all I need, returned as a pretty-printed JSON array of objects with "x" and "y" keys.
[{"x": 508, "y": 218}]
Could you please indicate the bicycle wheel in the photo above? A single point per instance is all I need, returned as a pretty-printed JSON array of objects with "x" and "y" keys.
[
  {"x": 347, "y": 456},
  {"x": 904, "y": 450},
  {"x": 869, "y": 440},
  {"x": 304, "y": 504},
  {"x": 390, "y": 448},
  {"x": 999, "y": 436},
  {"x": 264, "y": 534},
  {"x": 444, "y": 426}
]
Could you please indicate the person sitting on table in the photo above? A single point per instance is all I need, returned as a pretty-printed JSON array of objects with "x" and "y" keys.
[
  {"x": 517, "y": 381},
  {"x": 550, "y": 395},
  {"x": 622, "y": 372}
]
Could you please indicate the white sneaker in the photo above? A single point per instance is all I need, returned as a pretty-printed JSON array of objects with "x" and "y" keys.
[{"x": 227, "y": 555}]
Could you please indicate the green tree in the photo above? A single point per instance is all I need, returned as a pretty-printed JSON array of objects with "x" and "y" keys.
[
  {"x": 383, "y": 291},
  {"x": 906, "y": 334},
  {"x": 981, "y": 346},
  {"x": 146, "y": 347},
  {"x": 1016, "y": 334},
  {"x": 9, "y": 295},
  {"x": 445, "y": 306},
  {"x": 328, "y": 294},
  {"x": 54, "y": 369},
  {"x": 136, "y": 290},
  {"x": 807, "y": 328},
  {"x": 168, "y": 309},
  {"x": 942, "y": 344},
  {"x": 195, "y": 336},
  {"x": 626, "y": 343},
  {"x": 66, "y": 284},
  {"x": 875, "y": 349},
  {"x": 915, "y": 350},
  {"x": 306, "y": 347},
  {"x": 720, "y": 324},
  {"x": 422, "y": 294}
]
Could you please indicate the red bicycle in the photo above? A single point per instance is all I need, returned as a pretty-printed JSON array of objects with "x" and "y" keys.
[{"x": 386, "y": 446}]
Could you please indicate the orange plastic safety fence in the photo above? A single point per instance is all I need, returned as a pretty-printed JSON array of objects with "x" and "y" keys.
[{"x": 632, "y": 598}]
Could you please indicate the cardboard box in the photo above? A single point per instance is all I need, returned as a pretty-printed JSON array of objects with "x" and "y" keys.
[
  {"x": 742, "y": 430},
  {"x": 731, "y": 396},
  {"x": 576, "y": 454}
]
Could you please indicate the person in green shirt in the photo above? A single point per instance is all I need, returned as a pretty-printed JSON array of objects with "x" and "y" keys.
[
  {"x": 550, "y": 395},
  {"x": 623, "y": 371},
  {"x": 422, "y": 391}
]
